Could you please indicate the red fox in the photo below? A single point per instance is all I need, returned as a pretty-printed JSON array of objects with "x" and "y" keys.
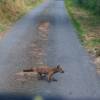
[{"x": 46, "y": 71}]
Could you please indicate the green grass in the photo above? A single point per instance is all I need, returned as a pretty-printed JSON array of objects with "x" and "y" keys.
[
  {"x": 2, "y": 28},
  {"x": 93, "y": 43},
  {"x": 12, "y": 10},
  {"x": 87, "y": 25},
  {"x": 78, "y": 29}
]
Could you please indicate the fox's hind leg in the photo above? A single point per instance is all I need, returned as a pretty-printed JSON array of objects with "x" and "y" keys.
[{"x": 40, "y": 76}]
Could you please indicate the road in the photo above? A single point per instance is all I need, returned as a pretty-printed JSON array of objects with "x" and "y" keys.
[{"x": 60, "y": 45}]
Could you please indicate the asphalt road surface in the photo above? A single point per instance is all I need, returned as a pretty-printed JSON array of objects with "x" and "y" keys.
[{"x": 26, "y": 45}]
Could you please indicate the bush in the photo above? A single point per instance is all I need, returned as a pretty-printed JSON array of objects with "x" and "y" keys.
[
  {"x": 93, "y": 5},
  {"x": 10, "y": 10}
]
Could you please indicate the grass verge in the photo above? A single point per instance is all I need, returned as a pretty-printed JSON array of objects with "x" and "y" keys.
[
  {"x": 12, "y": 10},
  {"x": 87, "y": 26}
]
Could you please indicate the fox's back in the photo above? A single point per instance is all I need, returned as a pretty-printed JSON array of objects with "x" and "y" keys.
[{"x": 41, "y": 69}]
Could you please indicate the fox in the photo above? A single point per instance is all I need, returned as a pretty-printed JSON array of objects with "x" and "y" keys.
[{"x": 45, "y": 71}]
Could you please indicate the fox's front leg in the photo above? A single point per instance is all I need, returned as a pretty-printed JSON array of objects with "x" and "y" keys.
[{"x": 50, "y": 76}]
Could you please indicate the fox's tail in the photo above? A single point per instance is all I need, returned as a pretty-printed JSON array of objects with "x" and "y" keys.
[{"x": 28, "y": 70}]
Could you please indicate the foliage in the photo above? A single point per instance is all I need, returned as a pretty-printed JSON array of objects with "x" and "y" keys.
[
  {"x": 93, "y": 5},
  {"x": 86, "y": 22},
  {"x": 11, "y": 10}
]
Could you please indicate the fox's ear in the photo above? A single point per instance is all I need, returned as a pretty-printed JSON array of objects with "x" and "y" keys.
[{"x": 58, "y": 66}]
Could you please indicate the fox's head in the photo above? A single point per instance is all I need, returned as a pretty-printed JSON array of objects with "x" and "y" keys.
[{"x": 60, "y": 69}]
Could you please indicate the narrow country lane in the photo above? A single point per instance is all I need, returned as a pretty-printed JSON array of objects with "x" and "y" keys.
[{"x": 27, "y": 45}]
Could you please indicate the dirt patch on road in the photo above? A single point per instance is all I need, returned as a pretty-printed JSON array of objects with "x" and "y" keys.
[
  {"x": 39, "y": 45},
  {"x": 37, "y": 52},
  {"x": 43, "y": 27}
]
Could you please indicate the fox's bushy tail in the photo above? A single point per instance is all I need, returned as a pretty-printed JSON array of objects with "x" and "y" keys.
[{"x": 28, "y": 70}]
